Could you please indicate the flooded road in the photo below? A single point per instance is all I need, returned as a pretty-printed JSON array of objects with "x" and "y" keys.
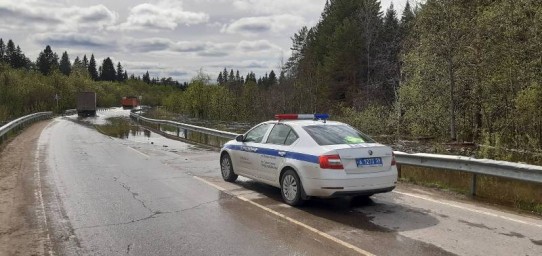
[{"x": 139, "y": 193}]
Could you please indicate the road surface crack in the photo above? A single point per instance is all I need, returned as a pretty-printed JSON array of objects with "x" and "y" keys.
[
  {"x": 153, "y": 215},
  {"x": 134, "y": 194},
  {"x": 128, "y": 249}
]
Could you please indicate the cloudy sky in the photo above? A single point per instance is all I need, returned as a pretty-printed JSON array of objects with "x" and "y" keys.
[{"x": 174, "y": 38}]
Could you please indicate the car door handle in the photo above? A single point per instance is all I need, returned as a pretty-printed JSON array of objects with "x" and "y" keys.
[{"x": 282, "y": 153}]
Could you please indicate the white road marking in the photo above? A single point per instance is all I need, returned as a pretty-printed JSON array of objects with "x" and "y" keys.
[
  {"x": 39, "y": 195},
  {"x": 468, "y": 209},
  {"x": 323, "y": 234},
  {"x": 141, "y": 153}
]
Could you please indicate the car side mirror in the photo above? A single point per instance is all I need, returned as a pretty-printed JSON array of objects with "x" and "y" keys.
[{"x": 240, "y": 138}]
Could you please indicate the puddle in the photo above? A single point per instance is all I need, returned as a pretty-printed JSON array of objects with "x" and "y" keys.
[
  {"x": 102, "y": 116},
  {"x": 188, "y": 135},
  {"x": 117, "y": 123}
]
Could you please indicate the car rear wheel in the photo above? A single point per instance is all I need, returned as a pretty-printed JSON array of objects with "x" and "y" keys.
[
  {"x": 290, "y": 187},
  {"x": 226, "y": 168}
]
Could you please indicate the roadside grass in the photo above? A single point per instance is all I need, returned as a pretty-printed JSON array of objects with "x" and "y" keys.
[{"x": 524, "y": 196}]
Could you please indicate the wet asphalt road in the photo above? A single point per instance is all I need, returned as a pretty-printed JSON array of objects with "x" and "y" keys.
[{"x": 107, "y": 196}]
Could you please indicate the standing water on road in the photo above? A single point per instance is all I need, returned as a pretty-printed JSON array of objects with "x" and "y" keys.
[{"x": 116, "y": 122}]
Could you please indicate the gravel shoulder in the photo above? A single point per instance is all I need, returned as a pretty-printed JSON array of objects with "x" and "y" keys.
[{"x": 22, "y": 229}]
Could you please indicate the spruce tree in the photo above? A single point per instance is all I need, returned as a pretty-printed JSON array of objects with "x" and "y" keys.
[
  {"x": 92, "y": 71},
  {"x": 77, "y": 64},
  {"x": 2, "y": 51},
  {"x": 65, "y": 65},
  {"x": 231, "y": 77},
  {"x": 85, "y": 62},
  {"x": 225, "y": 75},
  {"x": 120, "y": 73},
  {"x": 147, "y": 78},
  {"x": 272, "y": 79},
  {"x": 47, "y": 61},
  {"x": 11, "y": 53},
  {"x": 19, "y": 60},
  {"x": 220, "y": 79},
  {"x": 299, "y": 42},
  {"x": 108, "y": 70}
]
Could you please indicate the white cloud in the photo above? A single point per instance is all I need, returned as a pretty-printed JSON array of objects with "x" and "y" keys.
[
  {"x": 30, "y": 15},
  {"x": 254, "y": 46},
  {"x": 251, "y": 26},
  {"x": 75, "y": 40},
  {"x": 295, "y": 7},
  {"x": 200, "y": 48},
  {"x": 164, "y": 15},
  {"x": 95, "y": 16}
]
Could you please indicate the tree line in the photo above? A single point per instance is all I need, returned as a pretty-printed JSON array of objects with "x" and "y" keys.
[
  {"x": 27, "y": 86},
  {"x": 48, "y": 62}
]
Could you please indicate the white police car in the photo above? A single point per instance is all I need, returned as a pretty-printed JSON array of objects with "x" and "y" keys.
[{"x": 305, "y": 156}]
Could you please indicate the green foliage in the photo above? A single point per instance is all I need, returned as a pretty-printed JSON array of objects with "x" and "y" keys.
[
  {"x": 23, "y": 92},
  {"x": 473, "y": 71},
  {"x": 374, "y": 119}
]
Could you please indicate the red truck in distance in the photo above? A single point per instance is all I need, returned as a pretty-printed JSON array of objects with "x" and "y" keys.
[{"x": 129, "y": 102}]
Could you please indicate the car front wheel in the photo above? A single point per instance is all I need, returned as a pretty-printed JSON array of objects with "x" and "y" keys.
[
  {"x": 290, "y": 187},
  {"x": 226, "y": 168}
]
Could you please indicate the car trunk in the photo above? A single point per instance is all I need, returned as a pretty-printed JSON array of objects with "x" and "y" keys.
[{"x": 364, "y": 158}]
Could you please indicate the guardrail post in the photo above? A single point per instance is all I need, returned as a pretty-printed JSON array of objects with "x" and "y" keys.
[
  {"x": 185, "y": 133},
  {"x": 178, "y": 131},
  {"x": 473, "y": 185}
]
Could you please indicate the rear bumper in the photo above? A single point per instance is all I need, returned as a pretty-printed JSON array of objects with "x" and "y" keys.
[
  {"x": 384, "y": 182},
  {"x": 362, "y": 193}
]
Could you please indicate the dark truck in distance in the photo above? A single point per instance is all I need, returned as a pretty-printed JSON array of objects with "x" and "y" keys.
[
  {"x": 86, "y": 104},
  {"x": 129, "y": 102}
]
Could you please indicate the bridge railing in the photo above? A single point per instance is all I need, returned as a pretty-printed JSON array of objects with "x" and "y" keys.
[
  {"x": 21, "y": 122},
  {"x": 503, "y": 169}
]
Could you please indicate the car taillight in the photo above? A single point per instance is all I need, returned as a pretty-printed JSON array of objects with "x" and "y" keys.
[
  {"x": 393, "y": 159},
  {"x": 330, "y": 162}
]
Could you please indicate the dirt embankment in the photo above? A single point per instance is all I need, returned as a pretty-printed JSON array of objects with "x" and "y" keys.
[{"x": 21, "y": 229}]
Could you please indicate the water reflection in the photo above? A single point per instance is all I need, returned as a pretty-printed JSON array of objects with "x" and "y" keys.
[{"x": 124, "y": 128}]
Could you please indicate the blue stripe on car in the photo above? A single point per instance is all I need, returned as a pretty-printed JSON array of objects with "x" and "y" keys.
[{"x": 274, "y": 152}]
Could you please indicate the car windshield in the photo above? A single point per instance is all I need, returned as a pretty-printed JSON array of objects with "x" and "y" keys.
[{"x": 336, "y": 134}]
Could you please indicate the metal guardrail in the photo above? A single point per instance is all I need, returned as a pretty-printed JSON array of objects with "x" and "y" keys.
[
  {"x": 212, "y": 132},
  {"x": 23, "y": 121},
  {"x": 503, "y": 169}
]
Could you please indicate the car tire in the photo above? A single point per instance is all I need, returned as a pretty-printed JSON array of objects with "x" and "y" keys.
[
  {"x": 226, "y": 168},
  {"x": 291, "y": 188}
]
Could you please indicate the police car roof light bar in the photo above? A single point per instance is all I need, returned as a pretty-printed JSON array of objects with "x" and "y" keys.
[{"x": 302, "y": 116}]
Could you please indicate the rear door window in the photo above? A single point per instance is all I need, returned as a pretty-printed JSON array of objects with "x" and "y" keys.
[
  {"x": 281, "y": 134},
  {"x": 336, "y": 134}
]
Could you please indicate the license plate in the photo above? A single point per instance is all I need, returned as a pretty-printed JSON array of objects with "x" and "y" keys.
[{"x": 369, "y": 162}]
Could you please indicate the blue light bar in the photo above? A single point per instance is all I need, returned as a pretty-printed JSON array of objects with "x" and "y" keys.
[{"x": 321, "y": 116}]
